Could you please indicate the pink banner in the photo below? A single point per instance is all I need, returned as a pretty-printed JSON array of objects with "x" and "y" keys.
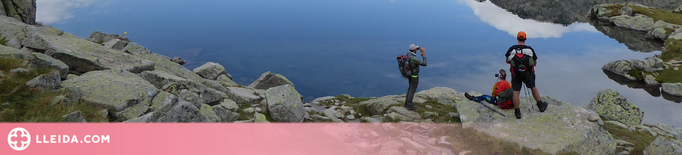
[{"x": 233, "y": 138}]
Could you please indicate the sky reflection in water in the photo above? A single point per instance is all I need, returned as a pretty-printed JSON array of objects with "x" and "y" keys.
[{"x": 348, "y": 47}]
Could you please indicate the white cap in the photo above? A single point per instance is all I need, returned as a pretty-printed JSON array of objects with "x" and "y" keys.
[{"x": 413, "y": 47}]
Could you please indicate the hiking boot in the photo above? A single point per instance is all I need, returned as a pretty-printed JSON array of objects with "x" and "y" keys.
[
  {"x": 411, "y": 108},
  {"x": 517, "y": 112},
  {"x": 468, "y": 96},
  {"x": 542, "y": 105}
]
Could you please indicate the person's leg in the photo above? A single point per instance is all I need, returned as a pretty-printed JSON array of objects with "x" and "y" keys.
[
  {"x": 488, "y": 99},
  {"x": 530, "y": 83},
  {"x": 414, "y": 82},
  {"x": 516, "y": 86}
]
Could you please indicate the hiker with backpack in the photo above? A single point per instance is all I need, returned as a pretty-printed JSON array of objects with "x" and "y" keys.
[
  {"x": 501, "y": 95},
  {"x": 522, "y": 60},
  {"x": 409, "y": 68}
]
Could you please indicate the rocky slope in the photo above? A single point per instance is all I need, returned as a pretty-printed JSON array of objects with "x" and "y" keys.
[
  {"x": 133, "y": 84},
  {"x": 653, "y": 72}
]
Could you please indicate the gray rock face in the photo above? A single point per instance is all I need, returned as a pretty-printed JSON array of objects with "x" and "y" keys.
[
  {"x": 674, "y": 89},
  {"x": 622, "y": 67},
  {"x": 638, "y": 22},
  {"x": 610, "y": 105},
  {"x": 378, "y": 105},
  {"x": 69, "y": 49},
  {"x": 332, "y": 114},
  {"x": 210, "y": 70},
  {"x": 243, "y": 95},
  {"x": 207, "y": 111},
  {"x": 113, "y": 89},
  {"x": 160, "y": 79},
  {"x": 14, "y": 53},
  {"x": 116, "y": 44},
  {"x": 399, "y": 113},
  {"x": 135, "y": 49},
  {"x": 45, "y": 82},
  {"x": 663, "y": 145},
  {"x": 443, "y": 95},
  {"x": 229, "y": 105},
  {"x": 260, "y": 118},
  {"x": 147, "y": 118},
  {"x": 178, "y": 60},
  {"x": 678, "y": 10},
  {"x": 100, "y": 37},
  {"x": 19, "y": 71},
  {"x": 163, "y": 101},
  {"x": 42, "y": 60},
  {"x": 226, "y": 81},
  {"x": 22, "y": 10},
  {"x": 75, "y": 116},
  {"x": 224, "y": 114},
  {"x": 284, "y": 104},
  {"x": 562, "y": 128},
  {"x": 185, "y": 112},
  {"x": 269, "y": 80}
]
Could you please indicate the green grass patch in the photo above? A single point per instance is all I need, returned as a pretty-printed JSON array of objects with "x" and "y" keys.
[
  {"x": 361, "y": 109},
  {"x": 673, "y": 50},
  {"x": 101, "y": 42},
  {"x": 351, "y": 100},
  {"x": 641, "y": 139},
  {"x": 658, "y": 14},
  {"x": 637, "y": 73},
  {"x": 3, "y": 41},
  {"x": 25, "y": 104},
  {"x": 442, "y": 110},
  {"x": 669, "y": 76}
]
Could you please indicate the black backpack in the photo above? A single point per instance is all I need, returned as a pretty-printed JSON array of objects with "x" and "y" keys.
[
  {"x": 521, "y": 61},
  {"x": 404, "y": 65}
]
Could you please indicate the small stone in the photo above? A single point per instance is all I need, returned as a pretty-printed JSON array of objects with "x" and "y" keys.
[
  {"x": 352, "y": 112},
  {"x": 178, "y": 60},
  {"x": 675, "y": 68},
  {"x": 58, "y": 100},
  {"x": 260, "y": 118},
  {"x": 453, "y": 115},
  {"x": 258, "y": 110},
  {"x": 350, "y": 117},
  {"x": 248, "y": 110},
  {"x": 430, "y": 114},
  {"x": 429, "y": 107},
  {"x": 74, "y": 117},
  {"x": 336, "y": 104}
]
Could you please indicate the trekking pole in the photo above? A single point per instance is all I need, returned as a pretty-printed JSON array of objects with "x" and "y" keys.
[
  {"x": 481, "y": 102},
  {"x": 525, "y": 89}
]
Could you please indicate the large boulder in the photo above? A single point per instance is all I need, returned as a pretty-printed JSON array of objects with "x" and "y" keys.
[
  {"x": 399, "y": 113},
  {"x": 284, "y": 104},
  {"x": 664, "y": 145},
  {"x": 443, "y": 95},
  {"x": 269, "y": 80},
  {"x": 135, "y": 49},
  {"x": 22, "y": 10},
  {"x": 610, "y": 105},
  {"x": 211, "y": 71},
  {"x": 224, "y": 114},
  {"x": 562, "y": 128},
  {"x": 623, "y": 67},
  {"x": 83, "y": 56},
  {"x": 14, "y": 53},
  {"x": 163, "y": 101},
  {"x": 379, "y": 105},
  {"x": 116, "y": 44},
  {"x": 226, "y": 81},
  {"x": 160, "y": 79},
  {"x": 115, "y": 90},
  {"x": 638, "y": 22},
  {"x": 184, "y": 112},
  {"x": 42, "y": 60},
  {"x": 674, "y": 89},
  {"x": 207, "y": 111},
  {"x": 243, "y": 95},
  {"x": 47, "y": 81},
  {"x": 100, "y": 37}
]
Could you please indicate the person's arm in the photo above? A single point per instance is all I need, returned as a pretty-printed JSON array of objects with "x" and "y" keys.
[
  {"x": 535, "y": 56},
  {"x": 506, "y": 55},
  {"x": 494, "y": 94},
  {"x": 423, "y": 50}
]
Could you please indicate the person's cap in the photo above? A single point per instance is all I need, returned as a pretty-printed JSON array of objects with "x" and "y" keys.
[
  {"x": 413, "y": 47},
  {"x": 521, "y": 35}
]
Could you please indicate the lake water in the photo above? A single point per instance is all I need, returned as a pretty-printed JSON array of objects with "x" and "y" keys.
[{"x": 337, "y": 47}]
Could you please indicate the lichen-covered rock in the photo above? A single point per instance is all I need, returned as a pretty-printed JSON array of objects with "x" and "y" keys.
[
  {"x": 638, "y": 22},
  {"x": 163, "y": 101},
  {"x": 224, "y": 114},
  {"x": 443, "y": 95},
  {"x": 146, "y": 118},
  {"x": 610, "y": 105},
  {"x": 664, "y": 145},
  {"x": 162, "y": 80},
  {"x": 210, "y": 70},
  {"x": 185, "y": 112},
  {"x": 133, "y": 111},
  {"x": 284, "y": 104},
  {"x": 332, "y": 114},
  {"x": 399, "y": 113},
  {"x": 207, "y": 111},
  {"x": 260, "y": 118},
  {"x": 42, "y": 60},
  {"x": 622, "y": 67},
  {"x": 269, "y": 80},
  {"x": 100, "y": 37},
  {"x": 562, "y": 128},
  {"x": 243, "y": 95},
  {"x": 674, "y": 89},
  {"x": 135, "y": 49},
  {"x": 379, "y": 105},
  {"x": 75, "y": 116},
  {"x": 47, "y": 81},
  {"x": 84, "y": 56},
  {"x": 116, "y": 44},
  {"x": 178, "y": 60},
  {"x": 226, "y": 81},
  {"x": 22, "y": 10},
  {"x": 229, "y": 105},
  {"x": 112, "y": 89},
  {"x": 14, "y": 53}
]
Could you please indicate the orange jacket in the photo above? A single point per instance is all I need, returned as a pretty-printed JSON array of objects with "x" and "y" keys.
[{"x": 499, "y": 87}]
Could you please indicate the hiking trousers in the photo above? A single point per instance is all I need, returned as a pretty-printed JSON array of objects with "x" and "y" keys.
[{"x": 413, "y": 81}]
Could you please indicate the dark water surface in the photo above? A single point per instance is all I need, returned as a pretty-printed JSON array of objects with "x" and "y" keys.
[{"x": 337, "y": 47}]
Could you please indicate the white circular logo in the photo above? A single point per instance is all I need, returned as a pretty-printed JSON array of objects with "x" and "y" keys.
[{"x": 19, "y": 139}]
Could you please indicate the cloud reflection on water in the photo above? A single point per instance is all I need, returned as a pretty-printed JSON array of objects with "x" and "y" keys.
[{"x": 503, "y": 20}]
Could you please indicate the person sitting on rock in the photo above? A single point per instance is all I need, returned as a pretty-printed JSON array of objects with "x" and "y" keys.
[{"x": 500, "y": 86}]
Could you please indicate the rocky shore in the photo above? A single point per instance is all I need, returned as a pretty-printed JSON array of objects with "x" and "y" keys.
[
  {"x": 659, "y": 74},
  {"x": 134, "y": 85}
]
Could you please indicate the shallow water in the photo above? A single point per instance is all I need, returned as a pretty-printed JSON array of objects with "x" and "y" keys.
[{"x": 347, "y": 47}]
